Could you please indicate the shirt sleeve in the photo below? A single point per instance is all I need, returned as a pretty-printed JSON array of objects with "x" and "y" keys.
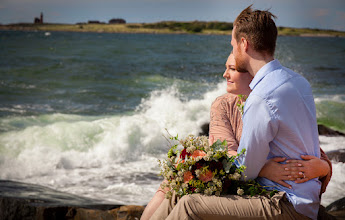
[
  {"x": 325, "y": 180},
  {"x": 259, "y": 129},
  {"x": 220, "y": 124}
]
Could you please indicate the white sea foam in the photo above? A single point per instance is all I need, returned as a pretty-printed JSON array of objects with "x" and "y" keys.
[
  {"x": 111, "y": 158},
  {"x": 335, "y": 98},
  {"x": 335, "y": 188},
  {"x": 100, "y": 157}
]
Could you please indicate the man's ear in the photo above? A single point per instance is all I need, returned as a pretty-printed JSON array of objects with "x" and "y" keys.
[{"x": 244, "y": 44}]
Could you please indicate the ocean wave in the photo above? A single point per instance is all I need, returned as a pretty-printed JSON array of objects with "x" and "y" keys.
[
  {"x": 330, "y": 111},
  {"x": 340, "y": 98},
  {"x": 105, "y": 157},
  {"x": 74, "y": 141}
]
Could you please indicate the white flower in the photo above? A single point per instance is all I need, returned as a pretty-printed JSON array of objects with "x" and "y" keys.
[
  {"x": 180, "y": 173},
  {"x": 208, "y": 192},
  {"x": 207, "y": 149},
  {"x": 173, "y": 184},
  {"x": 189, "y": 149},
  {"x": 207, "y": 158},
  {"x": 168, "y": 195},
  {"x": 172, "y": 159},
  {"x": 184, "y": 185},
  {"x": 209, "y": 153},
  {"x": 236, "y": 176},
  {"x": 163, "y": 185},
  {"x": 197, "y": 172},
  {"x": 219, "y": 184},
  {"x": 217, "y": 193},
  {"x": 170, "y": 174},
  {"x": 197, "y": 190},
  {"x": 240, "y": 191}
]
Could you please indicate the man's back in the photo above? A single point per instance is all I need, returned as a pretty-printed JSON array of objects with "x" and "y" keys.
[{"x": 280, "y": 121}]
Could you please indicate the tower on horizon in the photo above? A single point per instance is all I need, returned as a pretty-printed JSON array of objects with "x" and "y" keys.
[{"x": 39, "y": 20}]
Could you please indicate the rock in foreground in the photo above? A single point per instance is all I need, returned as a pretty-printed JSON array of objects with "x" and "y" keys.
[
  {"x": 337, "y": 155},
  {"x": 29, "y": 201}
]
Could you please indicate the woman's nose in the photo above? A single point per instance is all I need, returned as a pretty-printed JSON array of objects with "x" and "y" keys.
[{"x": 225, "y": 74}]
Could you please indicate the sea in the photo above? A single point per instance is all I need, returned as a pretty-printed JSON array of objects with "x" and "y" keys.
[{"x": 90, "y": 113}]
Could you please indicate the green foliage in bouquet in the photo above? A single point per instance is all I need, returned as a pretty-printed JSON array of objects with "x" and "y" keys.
[
  {"x": 209, "y": 170},
  {"x": 240, "y": 103}
]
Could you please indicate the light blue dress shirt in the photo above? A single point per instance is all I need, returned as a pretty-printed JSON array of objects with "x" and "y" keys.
[{"x": 279, "y": 120}]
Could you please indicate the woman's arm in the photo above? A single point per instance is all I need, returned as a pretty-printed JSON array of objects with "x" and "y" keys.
[
  {"x": 312, "y": 167},
  {"x": 299, "y": 171},
  {"x": 225, "y": 120}
]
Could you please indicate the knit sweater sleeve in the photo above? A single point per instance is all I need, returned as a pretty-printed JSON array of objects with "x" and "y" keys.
[
  {"x": 325, "y": 180},
  {"x": 226, "y": 121}
]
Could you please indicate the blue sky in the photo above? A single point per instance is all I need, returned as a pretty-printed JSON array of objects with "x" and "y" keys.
[{"x": 323, "y": 14}]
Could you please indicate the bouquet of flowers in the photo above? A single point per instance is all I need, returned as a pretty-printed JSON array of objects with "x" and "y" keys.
[{"x": 200, "y": 168}]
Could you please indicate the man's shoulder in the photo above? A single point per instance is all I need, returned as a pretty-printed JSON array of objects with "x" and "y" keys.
[{"x": 281, "y": 78}]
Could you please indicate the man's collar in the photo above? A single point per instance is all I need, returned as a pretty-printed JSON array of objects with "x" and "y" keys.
[{"x": 267, "y": 68}]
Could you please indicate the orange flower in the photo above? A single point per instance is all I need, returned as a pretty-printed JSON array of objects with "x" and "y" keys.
[
  {"x": 188, "y": 176},
  {"x": 205, "y": 177},
  {"x": 198, "y": 153},
  {"x": 178, "y": 162}
]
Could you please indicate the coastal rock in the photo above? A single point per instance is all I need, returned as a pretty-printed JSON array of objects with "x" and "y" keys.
[
  {"x": 29, "y": 201},
  {"x": 337, "y": 208},
  {"x": 323, "y": 130},
  {"x": 12, "y": 208},
  {"x": 129, "y": 212},
  {"x": 205, "y": 129},
  {"x": 81, "y": 213},
  {"x": 337, "y": 205},
  {"x": 337, "y": 155}
]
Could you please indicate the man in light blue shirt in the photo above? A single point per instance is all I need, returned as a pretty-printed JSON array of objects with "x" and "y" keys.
[
  {"x": 279, "y": 117},
  {"x": 279, "y": 120}
]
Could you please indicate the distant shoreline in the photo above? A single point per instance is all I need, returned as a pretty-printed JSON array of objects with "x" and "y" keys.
[{"x": 171, "y": 27}]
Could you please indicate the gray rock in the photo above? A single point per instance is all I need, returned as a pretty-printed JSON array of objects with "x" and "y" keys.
[
  {"x": 337, "y": 209},
  {"x": 337, "y": 205},
  {"x": 204, "y": 129},
  {"x": 336, "y": 155},
  {"x": 323, "y": 130}
]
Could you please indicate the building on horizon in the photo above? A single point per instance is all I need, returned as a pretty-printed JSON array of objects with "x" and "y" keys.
[
  {"x": 39, "y": 20},
  {"x": 117, "y": 21},
  {"x": 95, "y": 22}
]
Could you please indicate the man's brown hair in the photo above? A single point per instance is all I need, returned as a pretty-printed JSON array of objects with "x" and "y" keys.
[{"x": 258, "y": 28}]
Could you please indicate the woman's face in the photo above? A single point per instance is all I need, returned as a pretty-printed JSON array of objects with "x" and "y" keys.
[{"x": 237, "y": 82}]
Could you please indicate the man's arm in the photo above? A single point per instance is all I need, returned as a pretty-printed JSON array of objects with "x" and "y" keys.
[{"x": 259, "y": 129}]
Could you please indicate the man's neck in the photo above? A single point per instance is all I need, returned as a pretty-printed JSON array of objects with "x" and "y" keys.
[{"x": 257, "y": 61}]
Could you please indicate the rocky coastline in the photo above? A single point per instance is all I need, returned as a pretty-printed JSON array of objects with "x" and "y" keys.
[{"x": 29, "y": 201}]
